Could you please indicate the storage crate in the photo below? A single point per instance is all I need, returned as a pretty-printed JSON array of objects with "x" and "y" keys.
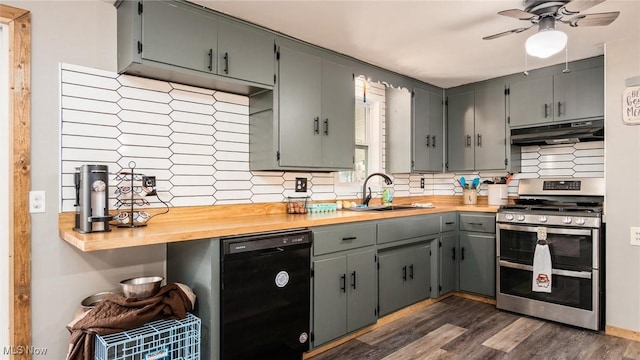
[{"x": 157, "y": 340}]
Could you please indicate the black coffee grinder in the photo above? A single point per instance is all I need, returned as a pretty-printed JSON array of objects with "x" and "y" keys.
[{"x": 92, "y": 198}]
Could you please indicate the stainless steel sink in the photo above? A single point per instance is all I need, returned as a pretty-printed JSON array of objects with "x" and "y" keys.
[{"x": 383, "y": 208}]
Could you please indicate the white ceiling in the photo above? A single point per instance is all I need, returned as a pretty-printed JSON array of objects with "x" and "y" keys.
[{"x": 436, "y": 41}]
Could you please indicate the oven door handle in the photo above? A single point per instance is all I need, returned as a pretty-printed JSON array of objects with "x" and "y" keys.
[
  {"x": 534, "y": 229},
  {"x": 567, "y": 273}
]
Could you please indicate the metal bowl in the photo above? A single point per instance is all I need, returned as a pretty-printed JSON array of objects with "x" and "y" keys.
[
  {"x": 141, "y": 287},
  {"x": 91, "y": 301}
]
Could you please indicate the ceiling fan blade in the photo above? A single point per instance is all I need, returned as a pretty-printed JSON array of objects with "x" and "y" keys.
[
  {"x": 518, "y": 14},
  {"x": 576, "y": 6},
  {"x": 600, "y": 19},
  {"x": 504, "y": 33}
]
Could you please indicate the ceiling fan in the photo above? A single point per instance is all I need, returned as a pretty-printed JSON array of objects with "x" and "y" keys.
[{"x": 545, "y": 14}]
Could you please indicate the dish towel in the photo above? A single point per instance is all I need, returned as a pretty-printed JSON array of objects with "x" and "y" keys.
[{"x": 541, "y": 264}]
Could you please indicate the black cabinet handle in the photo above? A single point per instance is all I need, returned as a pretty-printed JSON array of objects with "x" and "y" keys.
[
  {"x": 462, "y": 255},
  {"x": 479, "y": 140},
  {"x": 226, "y": 63},
  {"x": 326, "y": 126},
  {"x": 343, "y": 280},
  {"x": 404, "y": 273},
  {"x": 453, "y": 253},
  {"x": 468, "y": 140},
  {"x": 353, "y": 280},
  {"x": 349, "y": 238},
  {"x": 546, "y": 110},
  {"x": 475, "y": 223},
  {"x": 433, "y": 142},
  {"x": 411, "y": 271},
  {"x": 428, "y": 142},
  {"x": 316, "y": 125},
  {"x": 449, "y": 223},
  {"x": 559, "y": 108},
  {"x": 210, "y": 67}
]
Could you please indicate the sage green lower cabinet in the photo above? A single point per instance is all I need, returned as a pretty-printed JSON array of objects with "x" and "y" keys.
[
  {"x": 404, "y": 276},
  {"x": 344, "y": 295},
  {"x": 448, "y": 256},
  {"x": 478, "y": 262}
]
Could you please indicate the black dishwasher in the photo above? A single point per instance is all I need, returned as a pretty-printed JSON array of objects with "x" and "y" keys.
[{"x": 265, "y": 295}]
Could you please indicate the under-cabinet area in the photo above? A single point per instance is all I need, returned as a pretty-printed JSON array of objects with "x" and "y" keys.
[{"x": 360, "y": 271}]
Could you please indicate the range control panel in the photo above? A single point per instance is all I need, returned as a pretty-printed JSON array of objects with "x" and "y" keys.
[{"x": 573, "y": 185}]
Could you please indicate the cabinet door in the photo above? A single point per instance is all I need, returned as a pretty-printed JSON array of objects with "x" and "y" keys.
[
  {"x": 392, "y": 278},
  {"x": 477, "y": 263},
  {"x": 490, "y": 128},
  {"x": 436, "y": 154},
  {"x": 418, "y": 274},
  {"x": 448, "y": 256},
  {"x": 531, "y": 101},
  {"x": 362, "y": 299},
  {"x": 329, "y": 299},
  {"x": 421, "y": 130},
  {"x": 579, "y": 94},
  {"x": 180, "y": 35},
  {"x": 338, "y": 116},
  {"x": 299, "y": 97},
  {"x": 245, "y": 53},
  {"x": 460, "y": 136}
]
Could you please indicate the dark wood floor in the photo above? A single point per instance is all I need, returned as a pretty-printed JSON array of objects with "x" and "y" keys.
[{"x": 459, "y": 328}]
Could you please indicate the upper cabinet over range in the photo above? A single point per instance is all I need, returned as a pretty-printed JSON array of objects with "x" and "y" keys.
[
  {"x": 558, "y": 94},
  {"x": 176, "y": 41}
]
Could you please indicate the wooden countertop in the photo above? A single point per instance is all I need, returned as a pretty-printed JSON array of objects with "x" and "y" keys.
[{"x": 193, "y": 223}]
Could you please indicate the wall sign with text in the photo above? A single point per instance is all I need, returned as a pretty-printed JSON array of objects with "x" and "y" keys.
[{"x": 631, "y": 105}]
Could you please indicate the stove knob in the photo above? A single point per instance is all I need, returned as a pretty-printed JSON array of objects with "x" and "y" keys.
[
  {"x": 542, "y": 219},
  {"x": 580, "y": 221},
  {"x": 520, "y": 218},
  {"x": 566, "y": 220},
  {"x": 508, "y": 217}
]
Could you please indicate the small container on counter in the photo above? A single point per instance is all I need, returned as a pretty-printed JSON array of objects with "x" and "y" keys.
[
  {"x": 469, "y": 196},
  {"x": 297, "y": 204}
]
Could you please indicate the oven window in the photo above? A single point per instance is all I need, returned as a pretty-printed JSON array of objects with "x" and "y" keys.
[
  {"x": 572, "y": 252},
  {"x": 568, "y": 291}
]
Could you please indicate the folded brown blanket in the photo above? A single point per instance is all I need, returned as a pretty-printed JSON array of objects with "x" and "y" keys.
[{"x": 117, "y": 313}]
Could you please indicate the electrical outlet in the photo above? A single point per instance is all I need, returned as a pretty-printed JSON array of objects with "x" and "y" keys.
[
  {"x": 422, "y": 183},
  {"x": 301, "y": 184},
  {"x": 635, "y": 236},
  {"x": 37, "y": 201}
]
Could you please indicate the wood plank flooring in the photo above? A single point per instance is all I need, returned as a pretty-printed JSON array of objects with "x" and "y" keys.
[{"x": 459, "y": 328}]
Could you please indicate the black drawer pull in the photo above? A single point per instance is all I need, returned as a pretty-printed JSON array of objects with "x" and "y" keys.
[
  {"x": 453, "y": 253},
  {"x": 348, "y": 238},
  {"x": 343, "y": 280},
  {"x": 475, "y": 223},
  {"x": 462, "y": 255},
  {"x": 353, "y": 280},
  {"x": 404, "y": 273},
  {"x": 411, "y": 271},
  {"x": 449, "y": 223}
]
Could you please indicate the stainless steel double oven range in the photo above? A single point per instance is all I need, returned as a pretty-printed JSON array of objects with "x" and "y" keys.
[{"x": 570, "y": 210}]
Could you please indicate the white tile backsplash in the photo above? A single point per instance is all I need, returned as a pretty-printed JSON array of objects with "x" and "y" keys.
[{"x": 195, "y": 141}]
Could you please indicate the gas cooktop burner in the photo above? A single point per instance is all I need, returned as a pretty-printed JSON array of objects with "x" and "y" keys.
[{"x": 566, "y": 208}]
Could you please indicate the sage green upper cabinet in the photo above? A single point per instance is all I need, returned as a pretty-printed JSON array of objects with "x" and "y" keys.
[
  {"x": 531, "y": 101},
  {"x": 428, "y": 131},
  {"x": 178, "y": 34},
  {"x": 476, "y": 128},
  {"x": 460, "y": 136},
  {"x": 549, "y": 94},
  {"x": 177, "y": 41},
  {"x": 416, "y": 116},
  {"x": 314, "y": 120},
  {"x": 245, "y": 52}
]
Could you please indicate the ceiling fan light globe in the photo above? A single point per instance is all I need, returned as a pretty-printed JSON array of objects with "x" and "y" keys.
[{"x": 546, "y": 43}]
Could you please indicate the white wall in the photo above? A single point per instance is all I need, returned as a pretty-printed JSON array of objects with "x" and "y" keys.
[
  {"x": 622, "y": 159},
  {"x": 83, "y": 33},
  {"x": 4, "y": 189}
]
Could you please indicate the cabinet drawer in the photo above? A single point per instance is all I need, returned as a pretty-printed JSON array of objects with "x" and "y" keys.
[
  {"x": 342, "y": 237},
  {"x": 478, "y": 222},
  {"x": 407, "y": 228},
  {"x": 449, "y": 222}
]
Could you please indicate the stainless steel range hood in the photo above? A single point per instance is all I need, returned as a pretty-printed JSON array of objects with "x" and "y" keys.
[{"x": 565, "y": 133}]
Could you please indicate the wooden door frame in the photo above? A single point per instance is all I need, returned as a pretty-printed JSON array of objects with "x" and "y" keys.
[{"x": 18, "y": 22}]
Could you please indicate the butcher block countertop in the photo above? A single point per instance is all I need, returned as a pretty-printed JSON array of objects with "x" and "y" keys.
[{"x": 193, "y": 223}]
